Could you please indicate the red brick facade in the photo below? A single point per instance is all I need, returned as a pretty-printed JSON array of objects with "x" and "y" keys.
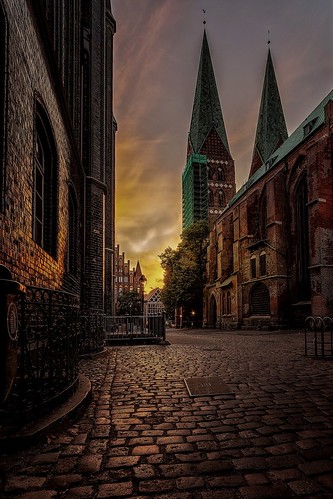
[{"x": 270, "y": 259}]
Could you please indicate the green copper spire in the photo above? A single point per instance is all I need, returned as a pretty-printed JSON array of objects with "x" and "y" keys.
[
  {"x": 271, "y": 127},
  {"x": 207, "y": 113}
]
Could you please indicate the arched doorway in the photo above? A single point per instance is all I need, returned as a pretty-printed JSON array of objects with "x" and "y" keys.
[
  {"x": 212, "y": 311},
  {"x": 259, "y": 300}
]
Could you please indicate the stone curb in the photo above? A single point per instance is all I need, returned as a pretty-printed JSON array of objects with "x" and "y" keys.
[{"x": 37, "y": 431}]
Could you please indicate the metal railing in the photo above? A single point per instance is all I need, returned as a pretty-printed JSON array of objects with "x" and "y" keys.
[
  {"x": 92, "y": 327},
  {"x": 138, "y": 327},
  {"x": 318, "y": 337},
  {"x": 48, "y": 352}
]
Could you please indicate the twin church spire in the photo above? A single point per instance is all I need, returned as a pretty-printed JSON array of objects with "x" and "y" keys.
[{"x": 207, "y": 113}]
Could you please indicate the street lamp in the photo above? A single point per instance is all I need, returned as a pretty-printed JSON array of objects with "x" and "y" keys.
[
  {"x": 192, "y": 315},
  {"x": 143, "y": 282}
]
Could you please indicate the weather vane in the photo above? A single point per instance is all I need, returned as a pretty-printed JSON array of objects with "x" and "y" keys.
[
  {"x": 204, "y": 21},
  {"x": 268, "y": 37}
]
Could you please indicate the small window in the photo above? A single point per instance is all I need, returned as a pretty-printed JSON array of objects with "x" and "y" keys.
[
  {"x": 221, "y": 199},
  {"x": 220, "y": 174},
  {"x": 253, "y": 266},
  {"x": 224, "y": 303},
  {"x": 209, "y": 172},
  {"x": 309, "y": 127},
  {"x": 228, "y": 303},
  {"x": 210, "y": 197},
  {"x": 262, "y": 264}
]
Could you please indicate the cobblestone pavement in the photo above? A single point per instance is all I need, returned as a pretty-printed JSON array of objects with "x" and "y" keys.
[{"x": 143, "y": 435}]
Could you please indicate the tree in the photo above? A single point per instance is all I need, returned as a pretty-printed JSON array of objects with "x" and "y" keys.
[
  {"x": 129, "y": 303},
  {"x": 184, "y": 272}
]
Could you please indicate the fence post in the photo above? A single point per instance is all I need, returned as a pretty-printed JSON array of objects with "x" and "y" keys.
[{"x": 10, "y": 294}]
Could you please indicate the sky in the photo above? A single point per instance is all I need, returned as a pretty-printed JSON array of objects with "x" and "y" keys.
[{"x": 156, "y": 57}]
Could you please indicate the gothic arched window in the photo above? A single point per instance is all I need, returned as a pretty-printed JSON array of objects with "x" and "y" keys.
[
  {"x": 263, "y": 216},
  {"x": 221, "y": 199},
  {"x": 45, "y": 190},
  {"x": 262, "y": 263},
  {"x": 210, "y": 198},
  {"x": 3, "y": 88},
  {"x": 302, "y": 238},
  {"x": 220, "y": 173}
]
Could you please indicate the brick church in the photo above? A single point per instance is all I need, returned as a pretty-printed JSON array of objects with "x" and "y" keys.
[
  {"x": 57, "y": 134},
  {"x": 270, "y": 255}
]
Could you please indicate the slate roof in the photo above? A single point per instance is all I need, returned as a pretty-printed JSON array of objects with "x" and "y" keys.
[
  {"x": 309, "y": 126},
  {"x": 207, "y": 111},
  {"x": 271, "y": 128}
]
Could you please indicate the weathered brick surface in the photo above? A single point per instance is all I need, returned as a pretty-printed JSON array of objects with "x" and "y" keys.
[{"x": 263, "y": 221}]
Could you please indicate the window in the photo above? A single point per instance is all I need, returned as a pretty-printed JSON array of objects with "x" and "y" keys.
[
  {"x": 221, "y": 199},
  {"x": 302, "y": 244},
  {"x": 228, "y": 303},
  {"x": 210, "y": 198},
  {"x": 45, "y": 190},
  {"x": 263, "y": 216},
  {"x": 72, "y": 232},
  {"x": 253, "y": 267},
  {"x": 220, "y": 174},
  {"x": 262, "y": 264},
  {"x": 209, "y": 172},
  {"x": 3, "y": 85}
]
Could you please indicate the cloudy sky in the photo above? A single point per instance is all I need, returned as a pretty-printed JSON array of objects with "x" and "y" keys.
[{"x": 156, "y": 57}]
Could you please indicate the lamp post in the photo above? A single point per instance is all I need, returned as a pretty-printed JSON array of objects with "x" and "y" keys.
[{"x": 143, "y": 282}]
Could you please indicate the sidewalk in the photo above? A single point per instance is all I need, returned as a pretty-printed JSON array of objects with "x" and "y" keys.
[{"x": 144, "y": 436}]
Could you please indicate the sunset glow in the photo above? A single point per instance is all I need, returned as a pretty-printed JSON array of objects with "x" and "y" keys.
[{"x": 157, "y": 49}]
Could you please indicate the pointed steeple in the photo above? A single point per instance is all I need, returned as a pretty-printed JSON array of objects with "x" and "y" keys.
[
  {"x": 207, "y": 113},
  {"x": 271, "y": 128}
]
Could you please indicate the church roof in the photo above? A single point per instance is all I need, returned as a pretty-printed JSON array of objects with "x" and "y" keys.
[
  {"x": 207, "y": 113},
  {"x": 309, "y": 126},
  {"x": 271, "y": 128}
]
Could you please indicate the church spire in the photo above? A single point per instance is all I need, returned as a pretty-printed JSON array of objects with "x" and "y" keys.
[
  {"x": 271, "y": 128},
  {"x": 207, "y": 113}
]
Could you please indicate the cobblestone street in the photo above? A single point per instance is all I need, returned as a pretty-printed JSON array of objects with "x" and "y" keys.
[{"x": 143, "y": 435}]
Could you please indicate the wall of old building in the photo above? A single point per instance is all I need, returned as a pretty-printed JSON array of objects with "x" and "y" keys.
[
  {"x": 260, "y": 242},
  {"x": 29, "y": 82},
  {"x": 59, "y": 56}
]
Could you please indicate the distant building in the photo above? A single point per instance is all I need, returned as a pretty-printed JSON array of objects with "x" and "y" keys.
[
  {"x": 153, "y": 303},
  {"x": 127, "y": 278}
]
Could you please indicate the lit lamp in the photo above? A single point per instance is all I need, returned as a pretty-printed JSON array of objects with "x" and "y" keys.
[
  {"x": 143, "y": 282},
  {"x": 192, "y": 315}
]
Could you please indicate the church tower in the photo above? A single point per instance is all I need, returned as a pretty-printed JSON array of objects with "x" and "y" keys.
[
  {"x": 271, "y": 128},
  {"x": 208, "y": 180}
]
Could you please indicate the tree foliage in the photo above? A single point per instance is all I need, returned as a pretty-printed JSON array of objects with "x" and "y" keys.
[
  {"x": 184, "y": 270},
  {"x": 129, "y": 303}
]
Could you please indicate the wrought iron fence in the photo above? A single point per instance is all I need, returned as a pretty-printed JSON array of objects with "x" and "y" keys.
[
  {"x": 48, "y": 352},
  {"x": 92, "y": 327},
  {"x": 318, "y": 337},
  {"x": 138, "y": 327}
]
